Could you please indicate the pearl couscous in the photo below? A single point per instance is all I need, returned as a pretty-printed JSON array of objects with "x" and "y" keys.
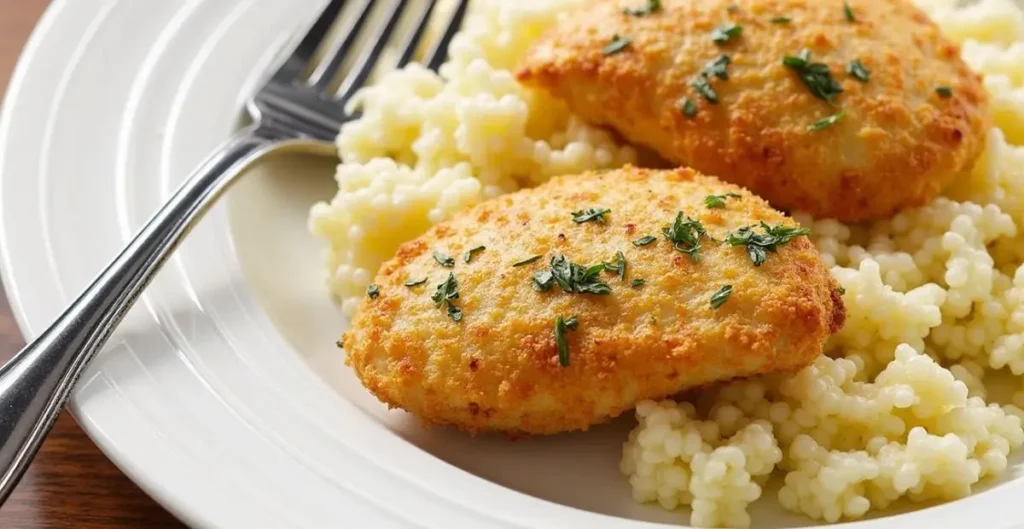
[{"x": 935, "y": 295}]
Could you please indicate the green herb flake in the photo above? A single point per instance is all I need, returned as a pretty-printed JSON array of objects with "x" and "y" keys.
[
  {"x": 617, "y": 45},
  {"x": 617, "y": 266},
  {"x": 703, "y": 87},
  {"x": 848, "y": 12},
  {"x": 685, "y": 234},
  {"x": 944, "y": 91},
  {"x": 825, "y": 122},
  {"x": 653, "y": 6},
  {"x": 726, "y": 32},
  {"x": 688, "y": 106},
  {"x": 759, "y": 244},
  {"x": 413, "y": 283},
  {"x": 717, "y": 67},
  {"x": 637, "y": 283},
  {"x": 701, "y": 83},
  {"x": 800, "y": 60},
  {"x": 340, "y": 343},
  {"x": 373, "y": 291},
  {"x": 719, "y": 298},
  {"x": 574, "y": 278},
  {"x": 644, "y": 241},
  {"x": 528, "y": 260},
  {"x": 572, "y": 323},
  {"x": 842, "y": 291},
  {"x": 562, "y": 326},
  {"x": 443, "y": 259},
  {"x": 543, "y": 281},
  {"x": 732, "y": 8},
  {"x": 780, "y": 20},
  {"x": 718, "y": 201},
  {"x": 858, "y": 71},
  {"x": 590, "y": 215},
  {"x": 815, "y": 75},
  {"x": 468, "y": 256},
  {"x": 447, "y": 292}
]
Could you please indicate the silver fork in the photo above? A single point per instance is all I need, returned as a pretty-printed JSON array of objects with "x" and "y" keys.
[{"x": 290, "y": 110}]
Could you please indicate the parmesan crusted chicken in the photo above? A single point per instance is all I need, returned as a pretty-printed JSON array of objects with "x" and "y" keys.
[
  {"x": 555, "y": 308},
  {"x": 850, "y": 110}
]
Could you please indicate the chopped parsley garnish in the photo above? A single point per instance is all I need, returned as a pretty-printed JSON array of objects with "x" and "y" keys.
[
  {"x": 685, "y": 234},
  {"x": 719, "y": 298},
  {"x": 944, "y": 91},
  {"x": 689, "y": 107},
  {"x": 797, "y": 61},
  {"x": 759, "y": 244},
  {"x": 528, "y": 260},
  {"x": 446, "y": 292},
  {"x": 572, "y": 277},
  {"x": 724, "y": 33},
  {"x": 858, "y": 71},
  {"x": 413, "y": 283},
  {"x": 703, "y": 87},
  {"x": 617, "y": 45},
  {"x": 653, "y": 6},
  {"x": 543, "y": 281},
  {"x": 340, "y": 343},
  {"x": 645, "y": 240},
  {"x": 815, "y": 75},
  {"x": 590, "y": 215},
  {"x": 443, "y": 259},
  {"x": 618, "y": 266},
  {"x": 718, "y": 67},
  {"x": 373, "y": 291},
  {"x": 561, "y": 341},
  {"x": 637, "y": 283},
  {"x": 825, "y": 122},
  {"x": 848, "y": 12},
  {"x": 842, "y": 291},
  {"x": 780, "y": 20},
  {"x": 468, "y": 256},
  {"x": 718, "y": 201}
]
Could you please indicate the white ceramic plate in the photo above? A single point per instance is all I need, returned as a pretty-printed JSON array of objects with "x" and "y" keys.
[{"x": 223, "y": 394}]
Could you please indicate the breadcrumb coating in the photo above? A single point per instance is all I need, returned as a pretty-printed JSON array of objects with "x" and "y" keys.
[
  {"x": 498, "y": 367},
  {"x": 902, "y": 136}
]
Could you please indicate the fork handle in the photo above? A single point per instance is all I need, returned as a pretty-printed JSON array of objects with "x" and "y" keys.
[{"x": 36, "y": 383}]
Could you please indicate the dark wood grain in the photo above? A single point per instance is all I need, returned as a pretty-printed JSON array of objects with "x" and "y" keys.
[{"x": 71, "y": 484}]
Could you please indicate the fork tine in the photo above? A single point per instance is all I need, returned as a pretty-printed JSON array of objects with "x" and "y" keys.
[
  {"x": 440, "y": 52},
  {"x": 325, "y": 73},
  {"x": 362, "y": 69},
  {"x": 298, "y": 63},
  {"x": 413, "y": 42}
]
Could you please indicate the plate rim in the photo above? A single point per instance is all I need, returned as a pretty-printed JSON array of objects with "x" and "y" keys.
[{"x": 11, "y": 97}]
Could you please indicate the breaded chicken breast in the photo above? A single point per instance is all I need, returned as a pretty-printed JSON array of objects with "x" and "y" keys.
[
  {"x": 499, "y": 319},
  {"x": 850, "y": 113}
]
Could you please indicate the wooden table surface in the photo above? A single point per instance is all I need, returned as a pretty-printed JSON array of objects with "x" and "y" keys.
[{"x": 71, "y": 484}]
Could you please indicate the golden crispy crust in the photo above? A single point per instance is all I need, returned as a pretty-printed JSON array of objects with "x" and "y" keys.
[
  {"x": 898, "y": 145},
  {"x": 498, "y": 369}
]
